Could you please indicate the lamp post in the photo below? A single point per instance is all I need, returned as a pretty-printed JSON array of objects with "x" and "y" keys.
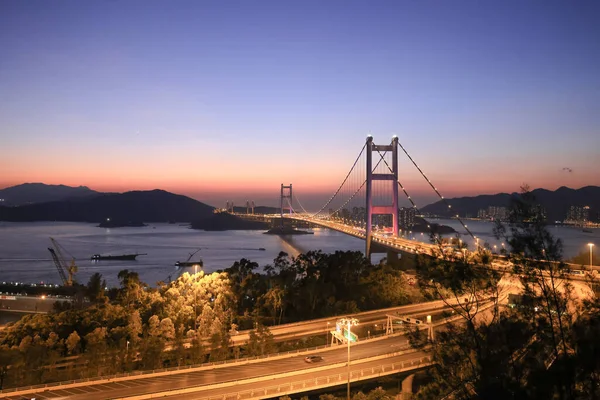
[
  {"x": 591, "y": 262},
  {"x": 195, "y": 300},
  {"x": 348, "y": 322}
]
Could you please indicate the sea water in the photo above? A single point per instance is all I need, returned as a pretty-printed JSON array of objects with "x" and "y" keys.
[{"x": 24, "y": 255}]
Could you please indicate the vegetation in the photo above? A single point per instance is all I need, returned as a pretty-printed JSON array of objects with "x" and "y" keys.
[
  {"x": 190, "y": 320},
  {"x": 545, "y": 348}
]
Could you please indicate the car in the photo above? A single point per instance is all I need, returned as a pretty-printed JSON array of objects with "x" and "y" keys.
[{"x": 313, "y": 359}]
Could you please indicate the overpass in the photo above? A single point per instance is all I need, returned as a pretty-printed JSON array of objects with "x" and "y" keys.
[{"x": 376, "y": 356}]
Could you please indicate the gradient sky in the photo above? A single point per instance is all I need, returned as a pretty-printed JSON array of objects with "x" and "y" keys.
[{"x": 227, "y": 100}]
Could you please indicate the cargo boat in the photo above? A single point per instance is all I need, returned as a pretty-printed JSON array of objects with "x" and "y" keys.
[{"x": 188, "y": 263}]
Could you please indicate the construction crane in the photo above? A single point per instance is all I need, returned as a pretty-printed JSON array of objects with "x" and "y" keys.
[{"x": 66, "y": 270}]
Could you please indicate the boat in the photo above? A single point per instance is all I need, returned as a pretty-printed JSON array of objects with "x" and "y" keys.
[
  {"x": 123, "y": 257},
  {"x": 261, "y": 249},
  {"x": 586, "y": 230},
  {"x": 188, "y": 263}
]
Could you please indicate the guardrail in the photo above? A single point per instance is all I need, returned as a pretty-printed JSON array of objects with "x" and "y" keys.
[
  {"x": 437, "y": 304},
  {"x": 302, "y": 385},
  {"x": 181, "y": 369}
]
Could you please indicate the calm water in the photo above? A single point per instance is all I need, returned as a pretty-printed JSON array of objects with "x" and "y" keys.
[{"x": 24, "y": 255}]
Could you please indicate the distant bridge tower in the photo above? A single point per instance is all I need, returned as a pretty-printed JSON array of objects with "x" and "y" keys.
[
  {"x": 392, "y": 177},
  {"x": 249, "y": 207},
  {"x": 286, "y": 193}
]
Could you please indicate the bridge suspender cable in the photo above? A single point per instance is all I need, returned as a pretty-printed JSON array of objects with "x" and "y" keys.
[
  {"x": 345, "y": 179},
  {"x": 434, "y": 188},
  {"x": 300, "y": 204},
  {"x": 362, "y": 185},
  {"x": 437, "y": 239}
]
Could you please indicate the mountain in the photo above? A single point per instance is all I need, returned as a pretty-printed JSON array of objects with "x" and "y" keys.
[
  {"x": 122, "y": 209},
  {"x": 30, "y": 193},
  {"x": 556, "y": 203}
]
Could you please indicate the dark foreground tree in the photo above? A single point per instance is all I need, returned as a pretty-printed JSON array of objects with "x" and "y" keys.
[{"x": 539, "y": 349}]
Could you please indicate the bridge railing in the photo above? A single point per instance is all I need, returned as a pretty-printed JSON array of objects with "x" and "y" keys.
[
  {"x": 182, "y": 368},
  {"x": 428, "y": 305},
  {"x": 305, "y": 385}
]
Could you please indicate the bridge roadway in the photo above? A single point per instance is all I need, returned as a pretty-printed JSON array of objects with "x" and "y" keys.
[
  {"x": 400, "y": 244},
  {"x": 225, "y": 378}
]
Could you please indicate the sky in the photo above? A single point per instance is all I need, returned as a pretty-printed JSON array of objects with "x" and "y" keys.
[{"x": 226, "y": 100}]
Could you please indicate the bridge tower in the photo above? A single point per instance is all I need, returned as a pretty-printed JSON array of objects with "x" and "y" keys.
[
  {"x": 250, "y": 207},
  {"x": 286, "y": 193},
  {"x": 392, "y": 177}
]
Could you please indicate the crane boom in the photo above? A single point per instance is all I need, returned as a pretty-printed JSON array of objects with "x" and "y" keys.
[
  {"x": 65, "y": 271},
  {"x": 192, "y": 255},
  {"x": 58, "y": 265}
]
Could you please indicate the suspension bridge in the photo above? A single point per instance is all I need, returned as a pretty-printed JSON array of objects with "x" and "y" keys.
[{"x": 366, "y": 204}]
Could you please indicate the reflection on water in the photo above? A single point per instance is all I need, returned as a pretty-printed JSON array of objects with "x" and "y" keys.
[{"x": 24, "y": 255}]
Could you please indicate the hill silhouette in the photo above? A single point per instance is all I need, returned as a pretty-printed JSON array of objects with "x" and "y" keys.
[
  {"x": 225, "y": 222},
  {"x": 32, "y": 193},
  {"x": 122, "y": 209},
  {"x": 556, "y": 203}
]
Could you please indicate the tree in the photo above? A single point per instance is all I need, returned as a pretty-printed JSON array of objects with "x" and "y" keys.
[
  {"x": 9, "y": 357},
  {"x": 535, "y": 350},
  {"x": 73, "y": 343},
  {"x": 462, "y": 351},
  {"x": 273, "y": 300},
  {"x": 537, "y": 262},
  {"x": 95, "y": 288},
  {"x": 132, "y": 289},
  {"x": 96, "y": 349},
  {"x": 260, "y": 341}
]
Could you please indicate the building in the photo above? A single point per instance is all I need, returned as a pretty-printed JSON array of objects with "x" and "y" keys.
[
  {"x": 493, "y": 213},
  {"x": 406, "y": 217},
  {"x": 578, "y": 214}
]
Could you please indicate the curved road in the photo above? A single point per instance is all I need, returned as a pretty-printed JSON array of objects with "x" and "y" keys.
[{"x": 230, "y": 373}]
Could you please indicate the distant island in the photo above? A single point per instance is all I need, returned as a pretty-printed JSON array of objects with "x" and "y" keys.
[
  {"x": 223, "y": 221},
  {"x": 421, "y": 225}
]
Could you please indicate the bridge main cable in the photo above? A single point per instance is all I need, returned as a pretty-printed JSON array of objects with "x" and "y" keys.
[
  {"x": 345, "y": 179},
  {"x": 364, "y": 182},
  {"x": 435, "y": 189}
]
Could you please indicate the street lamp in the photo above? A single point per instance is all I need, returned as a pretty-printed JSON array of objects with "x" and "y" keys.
[
  {"x": 195, "y": 300},
  {"x": 591, "y": 263},
  {"x": 348, "y": 322}
]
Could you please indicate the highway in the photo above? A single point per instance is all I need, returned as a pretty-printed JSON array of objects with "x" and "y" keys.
[
  {"x": 229, "y": 374},
  {"x": 323, "y": 325}
]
